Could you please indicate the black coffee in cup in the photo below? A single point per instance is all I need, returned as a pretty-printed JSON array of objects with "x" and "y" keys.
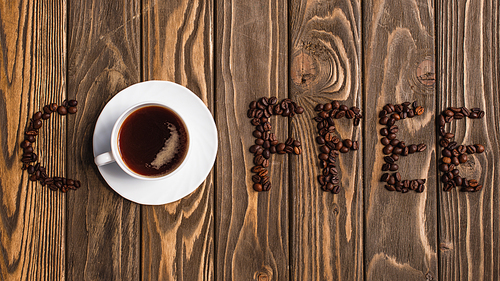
[{"x": 153, "y": 141}]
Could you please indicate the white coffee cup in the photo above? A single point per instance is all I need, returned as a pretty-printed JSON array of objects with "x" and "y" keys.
[{"x": 115, "y": 156}]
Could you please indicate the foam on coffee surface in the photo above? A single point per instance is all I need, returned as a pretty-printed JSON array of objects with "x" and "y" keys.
[{"x": 169, "y": 149}]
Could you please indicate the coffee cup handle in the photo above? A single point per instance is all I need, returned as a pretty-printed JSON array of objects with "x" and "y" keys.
[{"x": 104, "y": 159}]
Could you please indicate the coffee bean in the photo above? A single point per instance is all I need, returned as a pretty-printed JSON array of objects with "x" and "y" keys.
[
  {"x": 384, "y": 120},
  {"x": 390, "y": 187},
  {"x": 340, "y": 114},
  {"x": 458, "y": 180},
  {"x": 391, "y": 122},
  {"x": 31, "y": 139},
  {"x": 446, "y": 153},
  {"x": 479, "y": 148},
  {"x": 419, "y": 110},
  {"x": 386, "y": 167},
  {"x": 62, "y": 110},
  {"x": 394, "y": 167},
  {"x": 449, "y": 135},
  {"x": 344, "y": 149},
  {"x": 388, "y": 149},
  {"x": 25, "y": 144},
  {"x": 385, "y": 177},
  {"x": 355, "y": 145},
  {"x": 257, "y": 134},
  {"x": 347, "y": 143},
  {"x": 45, "y": 116},
  {"x": 257, "y": 187},
  {"x": 462, "y": 158},
  {"x": 37, "y": 115},
  {"x": 389, "y": 108},
  {"x": 471, "y": 149},
  {"x": 412, "y": 148},
  {"x": 53, "y": 107},
  {"x": 393, "y": 129},
  {"x": 421, "y": 147},
  {"x": 385, "y": 141},
  {"x": 258, "y": 160},
  {"x": 448, "y": 186},
  {"x": 441, "y": 121},
  {"x": 389, "y": 159},
  {"x": 444, "y": 142},
  {"x": 297, "y": 150},
  {"x": 384, "y": 131},
  {"x": 72, "y": 103},
  {"x": 255, "y": 147},
  {"x": 37, "y": 124},
  {"x": 473, "y": 183},
  {"x": 443, "y": 167},
  {"x": 266, "y": 154},
  {"x": 413, "y": 185},
  {"x": 397, "y": 176},
  {"x": 444, "y": 178},
  {"x": 324, "y": 149},
  {"x": 448, "y": 112},
  {"x": 397, "y": 150},
  {"x": 391, "y": 136},
  {"x": 256, "y": 178},
  {"x": 257, "y": 169}
]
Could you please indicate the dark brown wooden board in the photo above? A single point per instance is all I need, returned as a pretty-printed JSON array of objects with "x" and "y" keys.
[
  {"x": 32, "y": 74},
  {"x": 251, "y": 62},
  {"x": 103, "y": 233},
  {"x": 401, "y": 229},
  {"x": 178, "y": 238},
  {"x": 325, "y": 65},
  {"x": 468, "y": 53}
]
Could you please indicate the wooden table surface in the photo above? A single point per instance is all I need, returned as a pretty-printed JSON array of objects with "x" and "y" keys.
[{"x": 361, "y": 53}]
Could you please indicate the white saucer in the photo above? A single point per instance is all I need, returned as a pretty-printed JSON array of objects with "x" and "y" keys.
[{"x": 203, "y": 138}]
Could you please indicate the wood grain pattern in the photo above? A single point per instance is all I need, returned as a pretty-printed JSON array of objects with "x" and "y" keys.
[
  {"x": 251, "y": 62},
  {"x": 401, "y": 229},
  {"x": 32, "y": 60},
  {"x": 103, "y": 235},
  {"x": 178, "y": 238},
  {"x": 325, "y": 65},
  {"x": 468, "y": 52}
]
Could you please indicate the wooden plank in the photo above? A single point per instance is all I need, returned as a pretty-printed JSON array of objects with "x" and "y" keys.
[
  {"x": 177, "y": 238},
  {"x": 103, "y": 235},
  {"x": 32, "y": 74},
  {"x": 401, "y": 229},
  {"x": 325, "y": 65},
  {"x": 251, "y": 62},
  {"x": 468, "y": 52}
]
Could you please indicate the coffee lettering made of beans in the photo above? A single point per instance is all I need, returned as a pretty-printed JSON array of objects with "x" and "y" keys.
[
  {"x": 266, "y": 142},
  {"x": 30, "y": 159},
  {"x": 394, "y": 148},
  {"x": 454, "y": 154},
  {"x": 331, "y": 145}
]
